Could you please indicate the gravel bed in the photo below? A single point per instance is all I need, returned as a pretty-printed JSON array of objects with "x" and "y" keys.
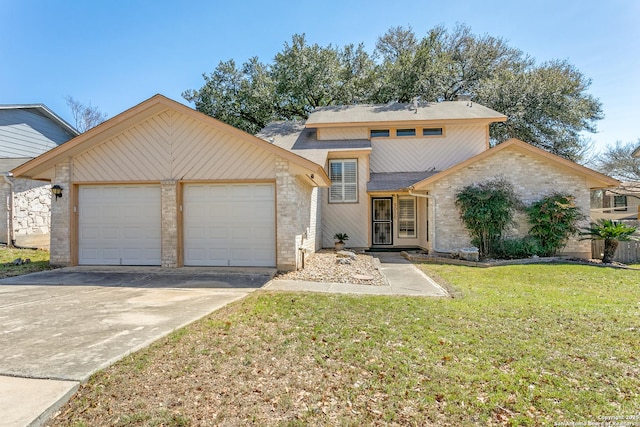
[{"x": 326, "y": 266}]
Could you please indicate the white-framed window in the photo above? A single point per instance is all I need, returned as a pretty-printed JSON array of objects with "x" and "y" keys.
[
  {"x": 344, "y": 181},
  {"x": 406, "y": 217}
]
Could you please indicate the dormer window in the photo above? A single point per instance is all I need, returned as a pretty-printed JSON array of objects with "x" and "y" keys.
[
  {"x": 432, "y": 132},
  {"x": 379, "y": 133},
  {"x": 405, "y": 132}
]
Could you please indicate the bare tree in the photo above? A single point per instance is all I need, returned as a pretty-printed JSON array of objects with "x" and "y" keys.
[
  {"x": 617, "y": 161},
  {"x": 85, "y": 116}
]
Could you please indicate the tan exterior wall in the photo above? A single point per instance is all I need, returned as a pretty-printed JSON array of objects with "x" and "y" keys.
[
  {"x": 425, "y": 153},
  {"x": 173, "y": 146},
  {"x": 343, "y": 133},
  {"x": 350, "y": 218},
  {"x": 532, "y": 179}
]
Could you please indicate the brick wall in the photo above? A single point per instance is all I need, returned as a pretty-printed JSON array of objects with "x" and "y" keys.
[
  {"x": 296, "y": 213},
  {"x": 531, "y": 177},
  {"x": 60, "y": 217},
  {"x": 169, "y": 223}
]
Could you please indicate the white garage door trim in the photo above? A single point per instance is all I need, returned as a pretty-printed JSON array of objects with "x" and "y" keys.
[
  {"x": 119, "y": 225},
  {"x": 229, "y": 225}
]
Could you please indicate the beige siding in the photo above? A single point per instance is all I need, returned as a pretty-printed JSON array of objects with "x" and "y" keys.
[
  {"x": 350, "y": 218},
  {"x": 173, "y": 146},
  {"x": 343, "y": 134},
  {"x": 532, "y": 178},
  {"x": 421, "y": 154}
]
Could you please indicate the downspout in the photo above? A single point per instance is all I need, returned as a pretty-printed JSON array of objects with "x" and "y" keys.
[
  {"x": 435, "y": 228},
  {"x": 7, "y": 176}
]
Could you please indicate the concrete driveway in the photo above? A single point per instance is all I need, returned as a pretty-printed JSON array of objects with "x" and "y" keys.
[{"x": 64, "y": 325}]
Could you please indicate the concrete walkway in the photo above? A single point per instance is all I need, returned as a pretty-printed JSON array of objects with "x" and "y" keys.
[{"x": 402, "y": 276}]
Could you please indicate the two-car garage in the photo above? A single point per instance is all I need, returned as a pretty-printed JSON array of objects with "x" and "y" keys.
[
  {"x": 162, "y": 184},
  {"x": 231, "y": 224}
]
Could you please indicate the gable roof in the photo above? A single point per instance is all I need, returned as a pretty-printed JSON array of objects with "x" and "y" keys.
[
  {"x": 636, "y": 152},
  {"x": 594, "y": 179},
  {"x": 45, "y": 111},
  {"x": 292, "y": 136},
  {"x": 399, "y": 113},
  {"x": 144, "y": 110}
]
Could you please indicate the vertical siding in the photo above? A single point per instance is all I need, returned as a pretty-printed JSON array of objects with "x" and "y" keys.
[
  {"x": 173, "y": 146},
  {"x": 350, "y": 218},
  {"x": 421, "y": 154}
]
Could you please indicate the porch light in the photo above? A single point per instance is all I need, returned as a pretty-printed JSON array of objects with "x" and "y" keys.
[{"x": 56, "y": 190}]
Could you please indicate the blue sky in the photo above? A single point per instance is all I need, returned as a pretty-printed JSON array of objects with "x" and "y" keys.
[{"x": 115, "y": 54}]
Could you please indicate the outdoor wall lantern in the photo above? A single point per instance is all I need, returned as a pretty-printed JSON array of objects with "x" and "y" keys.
[{"x": 56, "y": 190}]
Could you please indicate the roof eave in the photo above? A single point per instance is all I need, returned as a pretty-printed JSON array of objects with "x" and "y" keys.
[{"x": 595, "y": 180}]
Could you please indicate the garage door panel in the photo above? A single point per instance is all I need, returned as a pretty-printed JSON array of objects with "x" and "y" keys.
[
  {"x": 236, "y": 219},
  {"x": 119, "y": 225}
]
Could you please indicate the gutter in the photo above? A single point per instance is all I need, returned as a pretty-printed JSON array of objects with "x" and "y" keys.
[{"x": 435, "y": 228}]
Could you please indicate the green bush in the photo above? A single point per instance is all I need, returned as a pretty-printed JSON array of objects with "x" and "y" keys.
[
  {"x": 519, "y": 247},
  {"x": 553, "y": 220},
  {"x": 487, "y": 209}
]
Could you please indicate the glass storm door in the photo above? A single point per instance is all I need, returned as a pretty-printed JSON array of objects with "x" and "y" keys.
[{"x": 382, "y": 221}]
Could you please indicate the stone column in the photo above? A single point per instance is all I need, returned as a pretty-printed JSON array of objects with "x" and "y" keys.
[
  {"x": 61, "y": 211},
  {"x": 169, "y": 226},
  {"x": 286, "y": 206}
]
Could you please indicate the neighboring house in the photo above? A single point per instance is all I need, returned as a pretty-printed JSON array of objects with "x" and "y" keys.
[
  {"x": 26, "y": 131},
  {"x": 619, "y": 203},
  {"x": 162, "y": 184}
]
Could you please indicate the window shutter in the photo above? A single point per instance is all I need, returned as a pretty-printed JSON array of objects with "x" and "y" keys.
[
  {"x": 344, "y": 181},
  {"x": 406, "y": 217}
]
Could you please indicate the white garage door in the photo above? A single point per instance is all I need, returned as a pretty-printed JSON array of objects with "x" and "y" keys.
[
  {"x": 119, "y": 225},
  {"x": 229, "y": 225}
]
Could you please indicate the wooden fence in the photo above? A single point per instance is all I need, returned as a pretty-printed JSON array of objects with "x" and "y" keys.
[{"x": 627, "y": 252}]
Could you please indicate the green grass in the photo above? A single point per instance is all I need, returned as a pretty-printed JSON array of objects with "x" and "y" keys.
[
  {"x": 39, "y": 260},
  {"x": 521, "y": 346}
]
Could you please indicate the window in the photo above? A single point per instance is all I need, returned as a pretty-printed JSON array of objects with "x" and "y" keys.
[
  {"x": 406, "y": 217},
  {"x": 344, "y": 181},
  {"x": 406, "y": 132},
  {"x": 379, "y": 133},
  {"x": 620, "y": 203},
  {"x": 432, "y": 132}
]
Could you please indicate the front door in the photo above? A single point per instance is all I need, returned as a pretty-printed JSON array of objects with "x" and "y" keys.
[{"x": 382, "y": 221}]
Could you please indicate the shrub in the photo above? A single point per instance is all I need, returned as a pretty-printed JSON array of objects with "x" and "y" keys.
[
  {"x": 487, "y": 209},
  {"x": 519, "y": 247},
  {"x": 553, "y": 220}
]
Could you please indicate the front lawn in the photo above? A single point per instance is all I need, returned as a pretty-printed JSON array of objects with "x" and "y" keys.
[
  {"x": 520, "y": 345},
  {"x": 38, "y": 260}
]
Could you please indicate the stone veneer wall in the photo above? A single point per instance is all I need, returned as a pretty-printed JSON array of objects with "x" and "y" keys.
[
  {"x": 532, "y": 178},
  {"x": 31, "y": 212}
]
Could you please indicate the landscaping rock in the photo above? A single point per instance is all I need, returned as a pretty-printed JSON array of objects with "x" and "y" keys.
[{"x": 469, "y": 254}]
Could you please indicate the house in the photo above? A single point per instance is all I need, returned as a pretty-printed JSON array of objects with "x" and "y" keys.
[
  {"x": 26, "y": 131},
  {"x": 162, "y": 184},
  {"x": 619, "y": 203},
  {"x": 395, "y": 170}
]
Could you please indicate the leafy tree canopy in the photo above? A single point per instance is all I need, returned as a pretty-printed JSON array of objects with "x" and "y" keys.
[{"x": 546, "y": 104}]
